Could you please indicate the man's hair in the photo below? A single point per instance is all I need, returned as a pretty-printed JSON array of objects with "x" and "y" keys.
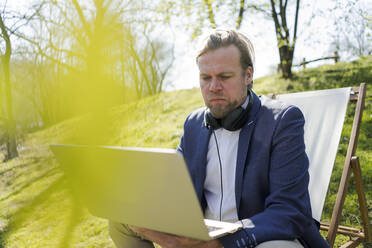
[{"x": 223, "y": 38}]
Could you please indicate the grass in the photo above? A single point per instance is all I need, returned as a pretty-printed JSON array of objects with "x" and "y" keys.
[{"x": 37, "y": 208}]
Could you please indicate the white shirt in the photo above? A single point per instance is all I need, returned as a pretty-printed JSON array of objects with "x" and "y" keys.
[{"x": 228, "y": 150}]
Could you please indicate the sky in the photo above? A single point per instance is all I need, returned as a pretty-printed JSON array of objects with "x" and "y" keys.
[{"x": 314, "y": 38}]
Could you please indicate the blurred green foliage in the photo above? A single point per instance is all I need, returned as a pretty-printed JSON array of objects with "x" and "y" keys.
[{"x": 37, "y": 208}]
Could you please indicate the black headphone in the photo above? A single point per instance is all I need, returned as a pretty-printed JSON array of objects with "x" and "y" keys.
[{"x": 233, "y": 121}]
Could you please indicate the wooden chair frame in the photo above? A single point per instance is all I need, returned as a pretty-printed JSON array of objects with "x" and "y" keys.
[{"x": 357, "y": 236}]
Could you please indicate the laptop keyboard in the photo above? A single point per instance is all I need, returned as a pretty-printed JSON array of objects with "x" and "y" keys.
[{"x": 213, "y": 228}]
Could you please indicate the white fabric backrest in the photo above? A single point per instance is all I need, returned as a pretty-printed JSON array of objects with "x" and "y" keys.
[{"x": 324, "y": 112}]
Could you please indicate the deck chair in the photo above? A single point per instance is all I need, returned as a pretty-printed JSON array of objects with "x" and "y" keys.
[{"x": 324, "y": 112}]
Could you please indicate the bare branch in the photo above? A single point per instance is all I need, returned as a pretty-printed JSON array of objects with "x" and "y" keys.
[
  {"x": 139, "y": 62},
  {"x": 25, "y": 18},
  {"x": 68, "y": 26},
  {"x": 6, "y": 1},
  {"x": 212, "y": 20},
  {"x": 241, "y": 13},
  {"x": 285, "y": 4},
  {"x": 274, "y": 15},
  {"x": 260, "y": 8},
  {"x": 284, "y": 26},
  {"x": 82, "y": 17},
  {"x": 295, "y": 26},
  {"x": 68, "y": 52},
  {"x": 5, "y": 35},
  {"x": 42, "y": 53}
]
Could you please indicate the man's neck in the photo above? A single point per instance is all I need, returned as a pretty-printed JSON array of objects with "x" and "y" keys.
[{"x": 245, "y": 104}]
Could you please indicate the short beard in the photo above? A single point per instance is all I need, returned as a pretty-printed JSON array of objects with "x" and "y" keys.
[{"x": 219, "y": 111}]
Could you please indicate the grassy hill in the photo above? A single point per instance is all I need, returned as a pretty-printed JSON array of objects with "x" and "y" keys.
[{"x": 37, "y": 208}]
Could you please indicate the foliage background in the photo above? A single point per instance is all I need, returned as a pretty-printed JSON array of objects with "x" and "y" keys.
[{"x": 37, "y": 208}]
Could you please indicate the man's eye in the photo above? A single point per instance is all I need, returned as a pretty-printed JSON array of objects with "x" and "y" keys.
[
  {"x": 205, "y": 78},
  {"x": 225, "y": 77}
]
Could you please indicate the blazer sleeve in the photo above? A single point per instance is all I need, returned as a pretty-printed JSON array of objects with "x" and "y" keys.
[
  {"x": 287, "y": 211},
  {"x": 180, "y": 147}
]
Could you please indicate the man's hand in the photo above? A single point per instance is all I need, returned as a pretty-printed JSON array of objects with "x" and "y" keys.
[{"x": 174, "y": 241}]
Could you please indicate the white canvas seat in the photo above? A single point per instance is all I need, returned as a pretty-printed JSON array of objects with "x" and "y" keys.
[{"x": 324, "y": 112}]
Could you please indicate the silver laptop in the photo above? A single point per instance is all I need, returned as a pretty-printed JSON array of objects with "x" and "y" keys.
[{"x": 144, "y": 187}]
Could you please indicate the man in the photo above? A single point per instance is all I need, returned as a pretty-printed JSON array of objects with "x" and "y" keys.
[{"x": 246, "y": 156}]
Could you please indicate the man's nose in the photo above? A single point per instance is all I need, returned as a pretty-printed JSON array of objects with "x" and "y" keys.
[{"x": 215, "y": 85}]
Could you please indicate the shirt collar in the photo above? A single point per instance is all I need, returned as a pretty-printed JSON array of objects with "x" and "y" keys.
[{"x": 245, "y": 104}]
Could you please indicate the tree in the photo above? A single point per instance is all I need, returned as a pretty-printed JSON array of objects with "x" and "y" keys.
[
  {"x": 211, "y": 14},
  {"x": 205, "y": 13},
  {"x": 148, "y": 63},
  {"x": 232, "y": 13},
  {"x": 90, "y": 52},
  {"x": 11, "y": 143},
  {"x": 286, "y": 43},
  {"x": 352, "y": 33}
]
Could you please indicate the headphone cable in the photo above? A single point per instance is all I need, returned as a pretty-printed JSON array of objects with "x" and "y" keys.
[{"x": 219, "y": 159}]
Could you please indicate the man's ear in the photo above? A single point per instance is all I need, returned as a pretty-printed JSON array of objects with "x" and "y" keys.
[{"x": 248, "y": 75}]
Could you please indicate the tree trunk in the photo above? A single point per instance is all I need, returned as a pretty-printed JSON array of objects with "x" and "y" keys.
[
  {"x": 286, "y": 60},
  {"x": 286, "y": 48},
  {"x": 10, "y": 123},
  {"x": 11, "y": 143}
]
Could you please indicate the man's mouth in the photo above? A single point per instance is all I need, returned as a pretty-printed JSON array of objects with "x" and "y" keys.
[{"x": 217, "y": 100}]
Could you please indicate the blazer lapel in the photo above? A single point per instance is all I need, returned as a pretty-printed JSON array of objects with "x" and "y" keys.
[
  {"x": 199, "y": 171},
  {"x": 243, "y": 146}
]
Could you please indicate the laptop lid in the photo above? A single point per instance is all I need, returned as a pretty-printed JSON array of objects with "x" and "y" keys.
[{"x": 144, "y": 187}]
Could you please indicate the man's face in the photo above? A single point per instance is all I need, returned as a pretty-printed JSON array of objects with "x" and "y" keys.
[{"x": 222, "y": 81}]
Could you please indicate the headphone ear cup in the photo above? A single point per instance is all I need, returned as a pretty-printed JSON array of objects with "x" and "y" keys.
[
  {"x": 210, "y": 121},
  {"x": 232, "y": 121}
]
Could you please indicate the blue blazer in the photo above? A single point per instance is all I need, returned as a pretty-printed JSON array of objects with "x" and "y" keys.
[{"x": 271, "y": 184}]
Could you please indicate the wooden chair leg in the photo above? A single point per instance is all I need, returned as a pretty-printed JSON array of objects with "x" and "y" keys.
[
  {"x": 342, "y": 190},
  {"x": 361, "y": 198},
  {"x": 340, "y": 199}
]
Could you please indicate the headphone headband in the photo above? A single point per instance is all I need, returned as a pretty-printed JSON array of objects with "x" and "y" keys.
[{"x": 233, "y": 121}]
